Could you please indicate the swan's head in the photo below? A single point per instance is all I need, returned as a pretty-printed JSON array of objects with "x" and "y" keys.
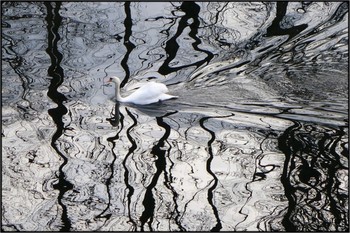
[{"x": 114, "y": 79}]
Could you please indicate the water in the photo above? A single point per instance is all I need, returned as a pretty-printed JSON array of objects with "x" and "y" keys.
[{"x": 258, "y": 139}]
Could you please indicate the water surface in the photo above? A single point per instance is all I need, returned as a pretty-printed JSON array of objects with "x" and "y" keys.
[{"x": 256, "y": 141}]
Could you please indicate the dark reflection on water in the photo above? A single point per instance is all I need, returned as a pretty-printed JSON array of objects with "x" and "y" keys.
[
  {"x": 191, "y": 20},
  {"x": 257, "y": 141},
  {"x": 312, "y": 177},
  {"x": 218, "y": 225},
  {"x": 129, "y": 45},
  {"x": 160, "y": 164},
  {"x": 277, "y": 29},
  {"x": 56, "y": 72}
]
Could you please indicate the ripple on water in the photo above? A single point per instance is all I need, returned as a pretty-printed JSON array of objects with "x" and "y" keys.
[{"x": 256, "y": 140}]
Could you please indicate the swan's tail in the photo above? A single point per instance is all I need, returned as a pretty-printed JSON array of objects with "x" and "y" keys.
[{"x": 167, "y": 97}]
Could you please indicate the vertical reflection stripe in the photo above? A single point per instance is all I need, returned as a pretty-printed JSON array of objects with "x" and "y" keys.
[{"x": 56, "y": 72}]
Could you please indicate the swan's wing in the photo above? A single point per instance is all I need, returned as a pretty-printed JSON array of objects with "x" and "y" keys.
[
  {"x": 155, "y": 99},
  {"x": 150, "y": 90},
  {"x": 148, "y": 93},
  {"x": 134, "y": 86},
  {"x": 155, "y": 88}
]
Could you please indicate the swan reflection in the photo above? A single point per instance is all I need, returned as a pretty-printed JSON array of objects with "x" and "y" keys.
[
  {"x": 159, "y": 109},
  {"x": 115, "y": 117}
]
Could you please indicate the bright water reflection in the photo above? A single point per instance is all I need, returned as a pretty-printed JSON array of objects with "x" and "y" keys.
[{"x": 258, "y": 139}]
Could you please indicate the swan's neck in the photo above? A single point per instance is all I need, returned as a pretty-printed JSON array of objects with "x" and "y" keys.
[{"x": 117, "y": 92}]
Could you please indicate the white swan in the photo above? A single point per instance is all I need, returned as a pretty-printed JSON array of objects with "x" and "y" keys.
[{"x": 150, "y": 92}]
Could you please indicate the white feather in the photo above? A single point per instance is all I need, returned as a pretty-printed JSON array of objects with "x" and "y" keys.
[{"x": 148, "y": 93}]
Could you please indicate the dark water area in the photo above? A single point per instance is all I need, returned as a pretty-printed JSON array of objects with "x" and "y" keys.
[{"x": 256, "y": 141}]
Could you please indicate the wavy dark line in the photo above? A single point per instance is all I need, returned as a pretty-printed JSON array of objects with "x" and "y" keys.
[
  {"x": 333, "y": 184},
  {"x": 116, "y": 118},
  {"x": 261, "y": 174},
  {"x": 216, "y": 16},
  {"x": 15, "y": 62},
  {"x": 54, "y": 20},
  {"x": 283, "y": 141},
  {"x": 258, "y": 175},
  {"x": 168, "y": 179},
  {"x": 275, "y": 28},
  {"x": 191, "y": 11},
  {"x": 312, "y": 164},
  {"x": 148, "y": 201},
  {"x": 218, "y": 225},
  {"x": 128, "y": 45},
  {"x": 126, "y": 171}
]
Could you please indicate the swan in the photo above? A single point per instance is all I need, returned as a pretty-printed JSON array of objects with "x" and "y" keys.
[{"x": 148, "y": 93}]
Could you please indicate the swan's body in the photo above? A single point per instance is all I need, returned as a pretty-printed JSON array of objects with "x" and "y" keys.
[{"x": 150, "y": 92}]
